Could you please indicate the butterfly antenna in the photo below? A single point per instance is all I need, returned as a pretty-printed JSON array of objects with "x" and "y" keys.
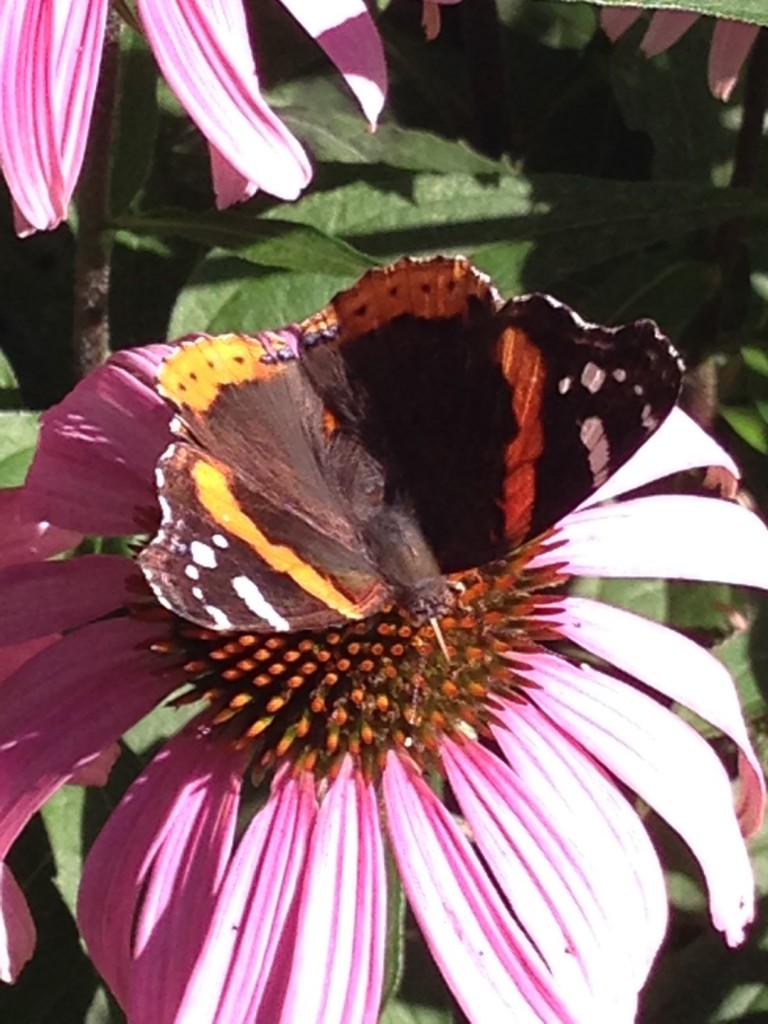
[{"x": 440, "y": 638}]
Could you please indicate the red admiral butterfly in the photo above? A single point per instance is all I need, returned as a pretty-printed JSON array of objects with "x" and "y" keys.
[{"x": 417, "y": 426}]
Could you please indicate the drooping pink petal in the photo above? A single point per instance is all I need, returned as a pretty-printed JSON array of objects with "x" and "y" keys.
[
  {"x": 66, "y": 704},
  {"x": 243, "y": 969},
  {"x": 615, "y": 21},
  {"x": 204, "y": 53},
  {"x": 602, "y": 850},
  {"x": 14, "y": 656},
  {"x": 344, "y": 896},
  {"x": 50, "y": 597},
  {"x": 151, "y": 878},
  {"x": 96, "y": 772},
  {"x": 664, "y": 31},
  {"x": 27, "y": 540},
  {"x": 103, "y": 441},
  {"x": 665, "y": 762},
  {"x": 731, "y": 43},
  {"x": 347, "y": 33},
  {"x": 50, "y": 53},
  {"x": 675, "y": 666},
  {"x": 679, "y": 444},
  {"x": 534, "y": 867},
  {"x": 17, "y": 929},
  {"x": 667, "y": 535},
  {"x": 485, "y": 957}
]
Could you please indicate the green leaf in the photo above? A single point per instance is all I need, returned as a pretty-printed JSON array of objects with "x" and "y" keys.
[
  {"x": 270, "y": 243},
  {"x": 748, "y": 424},
  {"x": 755, "y": 359},
  {"x": 18, "y": 439},
  {"x": 753, "y": 11},
  {"x": 136, "y": 121},
  {"x": 397, "y": 1012}
]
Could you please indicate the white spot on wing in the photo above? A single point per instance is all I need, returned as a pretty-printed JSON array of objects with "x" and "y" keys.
[
  {"x": 255, "y": 601},
  {"x": 564, "y": 385},
  {"x": 192, "y": 572},
  {"x": 592, "y": 377},
  {"x": 598, "y": 450},
  {"x": 198, "y": 593},
  {"x": 619, "y": 375},
  {"x": 220, "y": 540},
  {"x": 203, "y": 554},
  {"x": 220, "y": 620}
]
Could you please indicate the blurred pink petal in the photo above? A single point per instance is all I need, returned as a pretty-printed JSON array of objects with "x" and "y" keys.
[
  {"x": 615, "y": 21},
  {"x": 150, "y": 879},
  {"x": 669, "y": 662},
  {"x": 103, "y": 441},
  {"x": 17, "y": 929},
  {"x": 663, "y": 535},
  {"x": 23, "y": 539},
  {"x": 731, "y": 43},
  {"x": 96, "y": 772},
  {"x": 664, "y": 31},
  {"x": 347, "y": 33},
  {"x": 204, "y": 53},
  {"x": 50, "y": 54}
]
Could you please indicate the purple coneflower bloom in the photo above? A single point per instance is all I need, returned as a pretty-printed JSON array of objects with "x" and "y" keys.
[
  {"x": 50, "y": 55},
  {"x": 731, "y": 41},
  {"x": 537, "y": 889}
]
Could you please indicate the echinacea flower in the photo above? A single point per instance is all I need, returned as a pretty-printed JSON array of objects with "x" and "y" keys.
[
  {"x": 50, "y": 56},
  {"x": 544, "y": 902},
  {"x": 731, "y": 41}
]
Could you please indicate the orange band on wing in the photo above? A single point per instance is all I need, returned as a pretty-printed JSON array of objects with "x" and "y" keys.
[
  {"x": 523, "y": 367},
  {"x": 215, "y": 495},
  {"x": 194, "y": 374}
]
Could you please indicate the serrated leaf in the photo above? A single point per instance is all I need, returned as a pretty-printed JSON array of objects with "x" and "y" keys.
[{"x": 753, "y": 11}]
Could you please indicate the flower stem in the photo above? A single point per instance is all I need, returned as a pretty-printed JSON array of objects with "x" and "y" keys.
[{"x": 90, "y": 327}]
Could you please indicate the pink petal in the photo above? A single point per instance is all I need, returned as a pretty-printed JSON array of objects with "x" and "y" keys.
[
  {"x": 668, "y": 535},
  {"x": 533, "y": 866},
  {"x": 601, "y": 847},
  {"x": 14, "y": 656},
  {"x": 615, "y": 21},
  {"x": 675, "y": 666},
  {"x": 26, "y": 540},
  {"x": 17, "y": 929},
  {"x": 94, "y": 468},
  {"x": 50, "y": 597},
  {"x": 344, "y": 896},
  {"x": 664, "y": 31},
  {"x": 151, "y": 878},
  {"x": 96, "y": 772},
  {"x": 59, "y": 713},
  {"x": 243, "y": 969},
  {"x": 50, "y": 53},
  {"x": 679, "y": 444},
  {"x": 204, "y": 53},
  {"x": 731, "y": 43},
  {"x": 347, "y": 33},
  {"x": 666, "y": 763},
  {"x": 494, "y": 971}
]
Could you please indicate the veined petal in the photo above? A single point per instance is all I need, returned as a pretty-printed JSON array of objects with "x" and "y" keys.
[
  {"x": 615, "y": 21},
  {"x": 243, "y": 968},
  {"x": 103, "y": 440},
  {"x": 347, "y": 33},
  {"x": 677, "y": 445},
  {"x": 26, "y": 540},
  {"x": 69, "y": 682},
  {"x": 489, "y": 963},
  {"x": 665, "y": 29},
  {"x": 50, "y": 54},
  {"x": 731, "y": 43},
  {"x": 203, "y": 51},
  {"x": 41, "y": 598},
  {"x": 665, "y": 762},
  {"x": 602, "y": 849},
  {"x": 675, "y": 666},
  {"x": 533, "y": 866},
  {"x": 151, "y": 878},
  {"x": 344, "y": 896},
  {"x": 665, "y": 535},
  {"x": 17, "y": 929}
]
